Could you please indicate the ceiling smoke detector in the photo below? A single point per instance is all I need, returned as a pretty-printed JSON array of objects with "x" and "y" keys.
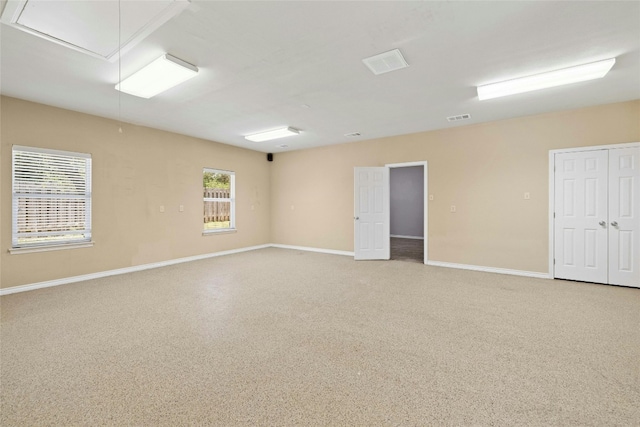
[
  {"x": 386, "y": 62},
  {"x": 458, "y": 118}
]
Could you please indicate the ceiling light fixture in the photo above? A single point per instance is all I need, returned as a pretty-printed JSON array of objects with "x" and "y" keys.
[
  {"x": 162, "y": 74},
  {"x": 580, "y": 73},
  {"x": 272, "y": 134}
]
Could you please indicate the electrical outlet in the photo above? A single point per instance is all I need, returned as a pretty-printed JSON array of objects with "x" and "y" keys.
[
  {"x": 181, "y": 208},
  {"x": 453, "y": 208},
  {"x": 253, "y": 208},
  {"x": 293, "y": 208},
  {"x": 161, "y": 208},
  {"x": 527, "y": 196},
  {"x": 430, "y": 196}
]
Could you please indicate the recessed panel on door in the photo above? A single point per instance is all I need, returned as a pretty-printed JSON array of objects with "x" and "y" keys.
[
  {"x": 364, "y": 199},
  {"x": 364, "y": 236},
  {"x": 590, "y": 250},
  {"x": 569, "y": 245}
]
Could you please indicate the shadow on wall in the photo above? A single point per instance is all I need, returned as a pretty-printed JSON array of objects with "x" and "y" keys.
[{"x": 406, "y": 197}]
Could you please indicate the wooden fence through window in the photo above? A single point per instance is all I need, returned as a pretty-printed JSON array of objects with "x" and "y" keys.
[
  {"x": 40, "y": 215},
  {"x": 217, "y": 211}
]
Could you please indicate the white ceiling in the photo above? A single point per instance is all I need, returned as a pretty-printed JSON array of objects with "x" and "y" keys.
[{"x": 270, "y": 64}]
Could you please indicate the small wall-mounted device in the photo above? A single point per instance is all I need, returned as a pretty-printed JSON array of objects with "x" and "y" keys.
[{"x": 270, "y": 157}]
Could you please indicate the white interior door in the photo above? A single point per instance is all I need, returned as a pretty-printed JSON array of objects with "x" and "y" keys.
[
  {"x": 624, "y": 216},
  {"x": 371, "y": 213},
  {"x": 581, "y": 215}
]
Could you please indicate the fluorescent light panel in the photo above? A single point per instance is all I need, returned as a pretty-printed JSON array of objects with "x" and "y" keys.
[
  {"x": 272, "y": 134},
  {"x": 565, "y": 76},
  {"x": 162, "y": 74}
]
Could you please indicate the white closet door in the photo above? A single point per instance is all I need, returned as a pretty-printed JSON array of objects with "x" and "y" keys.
[
  {"x": 581, "y": 216},
  {"x": 624, "y": 216},
  {"x": 371, "y": 213}
]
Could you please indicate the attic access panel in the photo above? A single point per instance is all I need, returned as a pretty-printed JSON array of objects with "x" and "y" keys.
[{"x": 91, "y": 26}]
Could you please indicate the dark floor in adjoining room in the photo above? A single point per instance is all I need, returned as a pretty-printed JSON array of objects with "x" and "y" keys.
[{"x": 411, "y": 250}]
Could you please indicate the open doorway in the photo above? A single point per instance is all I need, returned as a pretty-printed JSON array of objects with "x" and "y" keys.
[
  {"x": 371, "y": 213},
  {"x": 408, "y": 211}
]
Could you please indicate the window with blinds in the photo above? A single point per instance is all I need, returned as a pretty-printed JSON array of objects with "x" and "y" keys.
[{"x": 51, "y": 197}]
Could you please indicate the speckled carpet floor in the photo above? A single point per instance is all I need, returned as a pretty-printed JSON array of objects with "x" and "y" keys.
[{"x": 278, "y": 337}]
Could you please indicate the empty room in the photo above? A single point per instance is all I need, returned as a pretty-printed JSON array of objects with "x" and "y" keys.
[{"x": 318, "y": 213}]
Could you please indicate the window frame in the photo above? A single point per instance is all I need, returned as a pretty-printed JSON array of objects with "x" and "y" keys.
[
  {"x": 231, "y": 200},
  {"x": 68, "y": 243}
]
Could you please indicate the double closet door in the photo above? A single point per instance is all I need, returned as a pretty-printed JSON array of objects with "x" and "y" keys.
[{"x": 597, "y": 216}]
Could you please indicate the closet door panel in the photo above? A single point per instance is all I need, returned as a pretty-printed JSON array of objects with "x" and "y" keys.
[
  {"x": 624, "y": 216},
  {"x": 580, "y": 228}
]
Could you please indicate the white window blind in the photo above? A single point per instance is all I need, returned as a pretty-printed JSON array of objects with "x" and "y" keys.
[{"x": 51, "y": 197}]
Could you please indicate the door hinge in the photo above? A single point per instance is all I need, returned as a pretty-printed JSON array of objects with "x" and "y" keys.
[
  {"x": 554, "y": 261},
  {"x": 554, "y": 214}
]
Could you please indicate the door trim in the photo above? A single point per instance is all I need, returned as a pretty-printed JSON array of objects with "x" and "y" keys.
[
  {"x": 552, "y": 189},
  {"x": 425, "y": 199}
]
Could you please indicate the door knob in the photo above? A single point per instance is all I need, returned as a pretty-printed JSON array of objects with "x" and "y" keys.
[
  {"x": 356, "y": 218},
  {"x": 602, "y": 223},
  {"x": 614, "y": 223}
]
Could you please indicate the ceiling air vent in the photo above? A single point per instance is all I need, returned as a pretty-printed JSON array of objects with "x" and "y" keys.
[
  {"x": 458, "y": 118},
  {"x": 386, "y": 62},
  {"x": 352, "y": 134}
]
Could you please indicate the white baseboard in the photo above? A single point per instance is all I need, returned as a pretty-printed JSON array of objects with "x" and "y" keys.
[
  {"x": 306, "y": 248},
  {"x": 81, "y": 278},
  {"x": 407, "y": 237},
  {"x": 489, "y": 269}
]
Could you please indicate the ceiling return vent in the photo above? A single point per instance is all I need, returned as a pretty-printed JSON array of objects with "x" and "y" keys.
[
  {"x": 386, "y": 62},
  {"x": 458, "y": 118}
]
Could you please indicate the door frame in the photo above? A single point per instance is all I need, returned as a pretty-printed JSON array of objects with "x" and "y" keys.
[
  {"x": 552, "y": 189},
  {"x": 425, "y": 198}
]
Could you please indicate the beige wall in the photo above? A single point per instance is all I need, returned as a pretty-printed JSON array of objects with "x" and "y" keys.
[
  {"x": 133, "y": 174},
  {"x": 482, "y": 169}
]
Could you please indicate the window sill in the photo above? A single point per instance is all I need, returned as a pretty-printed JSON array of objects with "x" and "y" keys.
[
  {"x": 225, "y": 231},
  {"x": 32, "y": 249}
]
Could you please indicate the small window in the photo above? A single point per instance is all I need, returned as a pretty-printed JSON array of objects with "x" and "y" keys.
[
  {"x": 51, "y": 197},
  {"x": 219, "y": 200}
]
